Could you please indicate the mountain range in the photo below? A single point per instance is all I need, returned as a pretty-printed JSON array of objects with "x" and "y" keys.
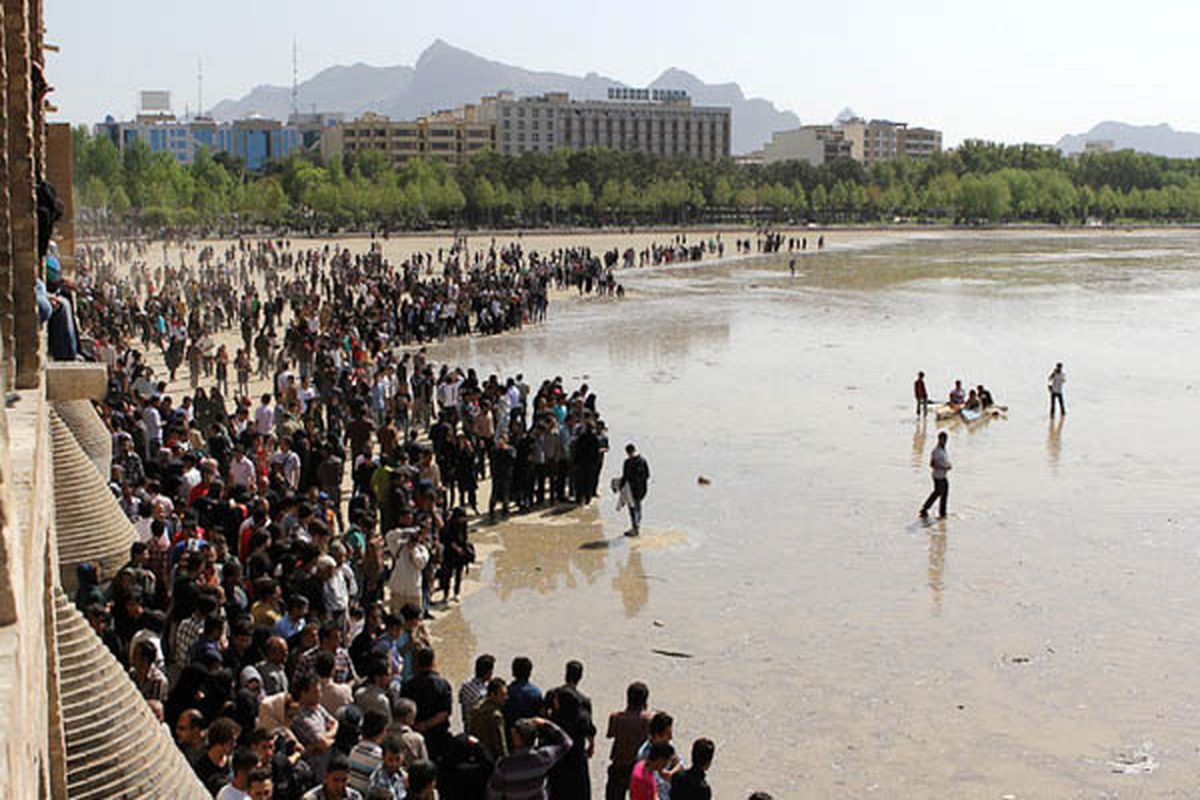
[
  {"x": 1161, "y": 140},
  {"x": 446, "y": 76}
]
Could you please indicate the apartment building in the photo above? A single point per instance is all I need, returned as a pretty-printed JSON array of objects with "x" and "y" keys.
[
  {"x": 865, "y": 142},
  {"x": 659, "y": 121},
  {"x": 883, "y": 140},
  {"x": 449, "y": 136},
  {"x": 816, "y": 144},
  {"x": 254, "y": 140}
]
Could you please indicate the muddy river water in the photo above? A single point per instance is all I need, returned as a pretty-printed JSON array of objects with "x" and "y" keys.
[{"x": 1041, "y": 642}]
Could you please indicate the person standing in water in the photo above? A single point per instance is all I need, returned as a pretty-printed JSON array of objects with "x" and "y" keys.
[
  {"x": 1056, "y": 380},
  {"x": 636, "y": 475},
  {"x": 921, "y": 395},
  {"x": 939, "y": 464}
]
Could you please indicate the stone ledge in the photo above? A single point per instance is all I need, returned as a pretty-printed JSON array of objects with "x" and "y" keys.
[{"x": 76, "y": 380}]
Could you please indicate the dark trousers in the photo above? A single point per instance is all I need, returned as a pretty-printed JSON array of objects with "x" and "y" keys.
[
  {"x": 1057, "y": 396},
  {"x": 941, "y": 493},
  {"x": 501, "y": 488},
  {"x": 558, "y": 481},
  {"x": 618, "y": 781},
  {"x": 541, "y": 473}
]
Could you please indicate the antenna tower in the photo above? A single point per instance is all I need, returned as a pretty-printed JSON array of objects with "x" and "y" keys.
[
  {"x": 295, "y": 76},
  {"x": 199, "y": 87}
]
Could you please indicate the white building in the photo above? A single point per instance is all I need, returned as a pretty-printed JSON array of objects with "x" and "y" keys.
[{"x": 658, "y": 121}]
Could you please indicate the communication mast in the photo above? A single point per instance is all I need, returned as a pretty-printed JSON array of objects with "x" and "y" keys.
[
  {"x": 199, "y": 87},
  {"x": 295, "y": 77}
]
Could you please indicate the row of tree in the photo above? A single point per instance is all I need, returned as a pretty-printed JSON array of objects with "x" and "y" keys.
[{"x": 977, "y": 182}]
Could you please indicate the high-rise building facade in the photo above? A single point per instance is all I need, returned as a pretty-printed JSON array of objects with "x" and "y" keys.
[{"x": 661, "y": 122}]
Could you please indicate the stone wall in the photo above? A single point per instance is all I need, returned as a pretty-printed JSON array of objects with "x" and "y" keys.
[
  {"x": 31, "y": 739},
  {"x": 32, "y": 748}
]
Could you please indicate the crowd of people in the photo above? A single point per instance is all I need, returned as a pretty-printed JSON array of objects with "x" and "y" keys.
[{"x": 293, "y": 536}]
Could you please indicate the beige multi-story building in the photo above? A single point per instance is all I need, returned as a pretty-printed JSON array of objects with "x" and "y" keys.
[
  {"x": 816, "y": 144},
  {"x": 658, "y": 121},
  {"x": 449, "y": 136},
  {"x": 883, "y": 140},
  {"x": 865, "y": 142}
]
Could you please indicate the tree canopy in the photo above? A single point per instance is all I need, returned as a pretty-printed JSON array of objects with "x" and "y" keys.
[{"x": 976, "y": 182}]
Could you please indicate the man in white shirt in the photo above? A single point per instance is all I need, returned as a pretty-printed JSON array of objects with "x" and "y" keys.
[
  {"x": 191, "y": 476},
  {"x": 1056, "y": 380},
  {"x": 241, "y": 469},
  {"x": 939, "y": 464},
  {"x": 289, "y": 461},
  {"x": 264, "y": 417},
  {"x": 409, "y": 556},
  {"x": 307, "y": 393},
  {"x": 153, "y": 422}
]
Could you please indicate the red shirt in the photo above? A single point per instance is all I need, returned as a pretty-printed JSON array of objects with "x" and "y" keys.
[{"x": 642, "y": 785}]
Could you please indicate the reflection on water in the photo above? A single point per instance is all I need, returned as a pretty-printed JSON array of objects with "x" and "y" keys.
[
  {"x": 937, "y": 565},
  {"x": 631, "y": 582},
  {"x": 666, "y": 338},
  {"x": 918, "y": 442},
  {"x": 1054, "y": 440},
  {"x": 545, "y": 553}
]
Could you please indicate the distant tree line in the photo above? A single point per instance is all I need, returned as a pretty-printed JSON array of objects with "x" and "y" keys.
[{"x": 976, "y": 183}]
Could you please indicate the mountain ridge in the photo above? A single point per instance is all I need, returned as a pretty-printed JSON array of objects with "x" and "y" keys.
[
  {"x": 444, "y": 76},
  {"x": 1160, "y": 139}
]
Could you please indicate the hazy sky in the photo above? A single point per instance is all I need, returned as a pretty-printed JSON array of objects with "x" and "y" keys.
[{"x": 1012, "y": 70}]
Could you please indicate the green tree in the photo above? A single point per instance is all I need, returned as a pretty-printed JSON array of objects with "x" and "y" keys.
[
  {"x": 746, "y": 199},
  {"x": 820, "y": 201},
  {"x": 722, "y": 193}
]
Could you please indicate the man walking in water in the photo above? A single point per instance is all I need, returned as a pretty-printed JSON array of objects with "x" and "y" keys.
[
  {"x": 939, "y": 463},
  {"x": 1057, "y": 379},
  {"x": 636, "y": 475}
]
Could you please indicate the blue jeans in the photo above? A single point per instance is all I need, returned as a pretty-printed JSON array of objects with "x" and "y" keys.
[{"x": 635, "y": 513}]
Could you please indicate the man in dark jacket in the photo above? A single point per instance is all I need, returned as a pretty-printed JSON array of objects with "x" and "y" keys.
[
  {"x": 635, "y": 475},
  {"x": 692, "y": 783},
  {"x": 503, "y": 464}
]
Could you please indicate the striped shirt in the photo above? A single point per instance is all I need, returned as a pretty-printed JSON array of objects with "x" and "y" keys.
[
  {"x": 521, "y": 775},
  {"x": 469, "y": 695},
  {"x": 186, "y": 635},
  {"x": 154, "y": 687},
  {"x": 343, "y": 667},
  {"x": 365, "y": 758}
]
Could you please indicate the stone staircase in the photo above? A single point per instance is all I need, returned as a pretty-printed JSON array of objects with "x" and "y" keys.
[
  {"x": 90, "y": 432},
  {"x": 89, "y": 525},
  {"x": 116, "y": 749}
]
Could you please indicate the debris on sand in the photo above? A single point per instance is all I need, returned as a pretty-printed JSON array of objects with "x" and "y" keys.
[
  {"x": 671, "y": 653},
  {"x": 1139, "y": 762}
]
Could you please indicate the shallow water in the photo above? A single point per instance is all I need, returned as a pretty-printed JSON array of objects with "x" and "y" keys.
[{"x": 1039, "y": 643}]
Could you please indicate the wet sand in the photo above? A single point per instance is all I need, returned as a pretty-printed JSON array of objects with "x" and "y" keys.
[{"x": 1037, "y": 644}]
